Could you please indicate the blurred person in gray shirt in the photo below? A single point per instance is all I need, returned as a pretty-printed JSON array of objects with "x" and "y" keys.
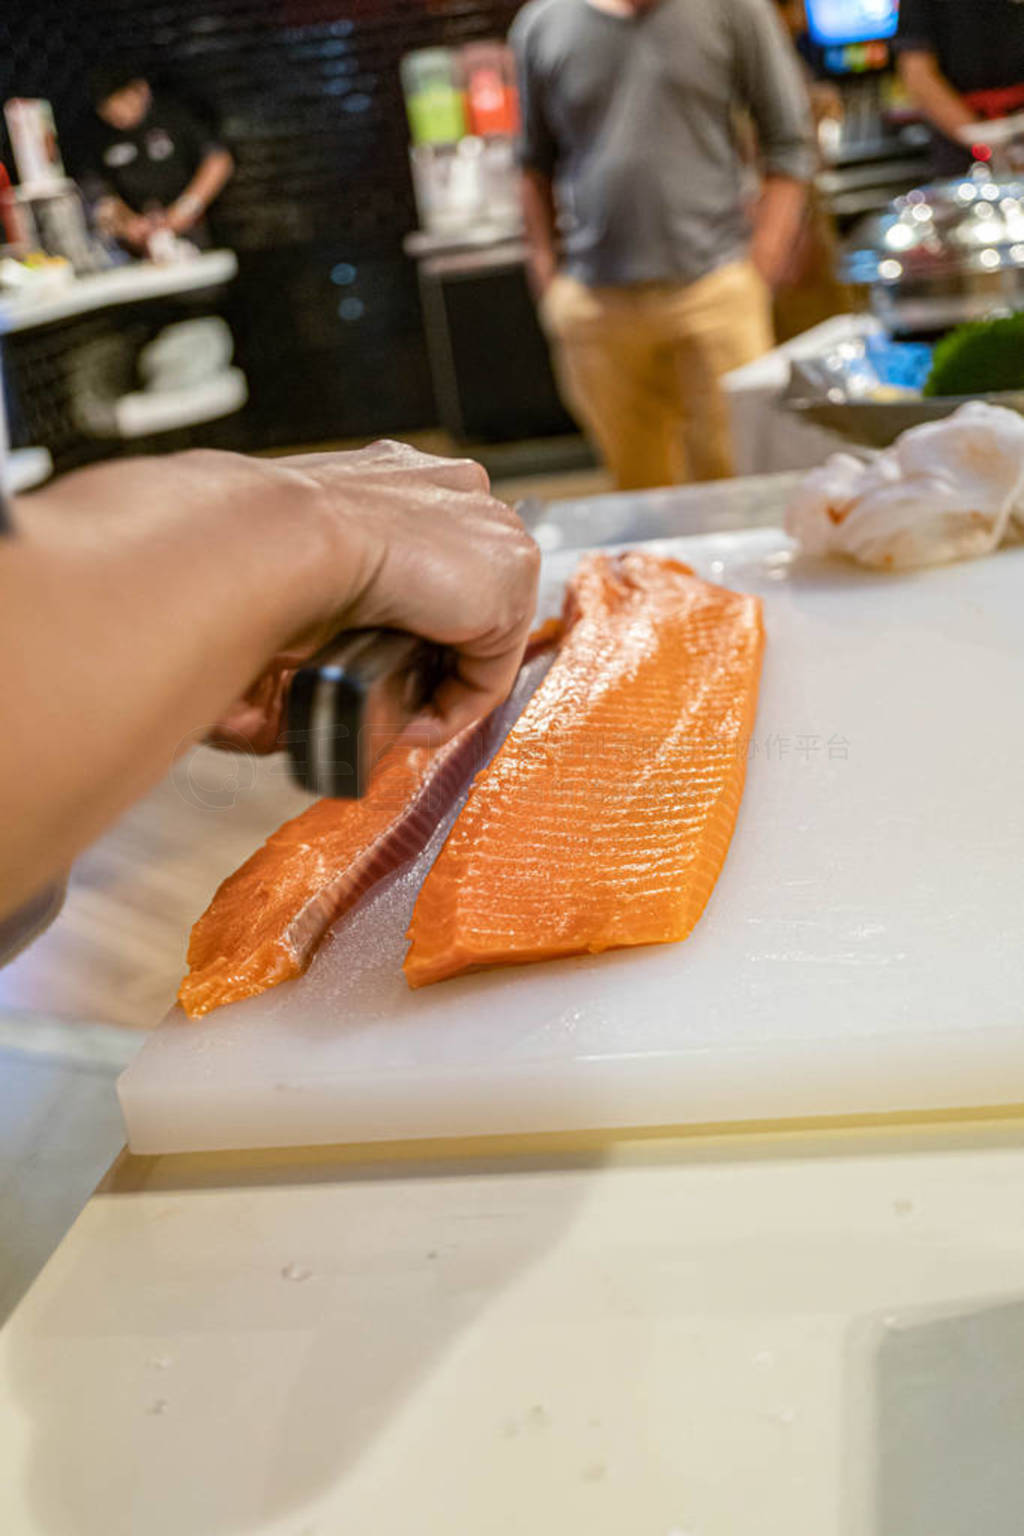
[{"x": 661, "y": 283}]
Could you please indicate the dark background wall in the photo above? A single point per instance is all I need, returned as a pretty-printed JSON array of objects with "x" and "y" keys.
[{"x": 308, "y": 96}]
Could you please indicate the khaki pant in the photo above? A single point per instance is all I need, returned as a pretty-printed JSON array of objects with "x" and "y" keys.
[{"x": 640, "y": 367}]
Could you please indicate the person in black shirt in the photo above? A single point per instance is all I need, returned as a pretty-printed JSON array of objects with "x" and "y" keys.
[
  {"x": 962, "y": 62},
  {"x": 153, "y": 164}
]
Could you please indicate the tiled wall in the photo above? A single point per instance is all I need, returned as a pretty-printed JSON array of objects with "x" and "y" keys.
[{"x": 308, "y": 96}]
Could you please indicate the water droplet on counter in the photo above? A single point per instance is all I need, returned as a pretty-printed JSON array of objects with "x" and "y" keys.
[
  {"x": 595, "y": 1472},
  {"x": 160, "y": 1362},
  {"x": 296, "y": 1272},
  {"x": 764, "y": 1357},
  {"x": 158, "y": 1407}
]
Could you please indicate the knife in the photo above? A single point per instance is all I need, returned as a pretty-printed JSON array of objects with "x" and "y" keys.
[{"x": 351, "y": 700}]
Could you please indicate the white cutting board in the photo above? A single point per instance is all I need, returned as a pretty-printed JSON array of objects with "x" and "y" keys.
[{"x": 863, "y": 950}]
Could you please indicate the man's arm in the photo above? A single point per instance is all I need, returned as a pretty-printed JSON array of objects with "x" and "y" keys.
[
  {"x": 538, "y": 158},
  {"x": 215, "y": 171},
  {"x": 918, "y": 43},
  {"x": 771, "y": 86},
  {"x": 932, "y": 93},
  {"x": 138, "y": 600},
  {"x": 539, "y": 220},
  {"x": 777, "y": 222}
]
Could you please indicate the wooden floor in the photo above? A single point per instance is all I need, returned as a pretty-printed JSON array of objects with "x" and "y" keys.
[{"x": 115, "y": 954}]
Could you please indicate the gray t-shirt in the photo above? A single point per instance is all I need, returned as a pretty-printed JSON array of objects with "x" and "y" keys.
[{"x": 636, "y": 119}]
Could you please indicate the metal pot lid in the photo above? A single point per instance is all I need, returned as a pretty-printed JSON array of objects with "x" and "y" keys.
[{"x": 971, "y": 226}]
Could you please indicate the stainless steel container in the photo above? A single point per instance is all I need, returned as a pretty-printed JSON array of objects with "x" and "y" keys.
[
  {"x": 942, "y": 255},
  {"x": 878, "y": 423}
]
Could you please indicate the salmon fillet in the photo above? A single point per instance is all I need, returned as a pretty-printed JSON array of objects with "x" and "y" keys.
[
  {"x": 267, "y": 919},
  {"x": 605, "y": 818}
]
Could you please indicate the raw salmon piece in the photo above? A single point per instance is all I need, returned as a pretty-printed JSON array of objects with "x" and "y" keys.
[
  {"x": 267, "y": 919},
  {"x": 605, "y": 818}
]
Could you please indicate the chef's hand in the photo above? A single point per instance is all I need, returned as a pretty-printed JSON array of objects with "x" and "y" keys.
[
  {"x": 138, "y": 598},
  {"x": 180, "y": 217},
  {"x": 421, "y": 546},
  {"x": 117, "y": 220}
]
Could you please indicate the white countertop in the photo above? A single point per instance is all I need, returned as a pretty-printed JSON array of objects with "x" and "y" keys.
[
  {"x": 712, "y": 1337},
  {"x": 630, "y": 517},
  {"x": 480, "y": 237},
  {"x": 120, "y": 285}
]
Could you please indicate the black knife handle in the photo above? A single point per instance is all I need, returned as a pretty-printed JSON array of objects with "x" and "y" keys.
[{"x": 349, "y": 703}]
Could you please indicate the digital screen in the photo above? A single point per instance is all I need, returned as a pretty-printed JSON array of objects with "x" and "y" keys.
[{"x": 835, "y": 22}]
